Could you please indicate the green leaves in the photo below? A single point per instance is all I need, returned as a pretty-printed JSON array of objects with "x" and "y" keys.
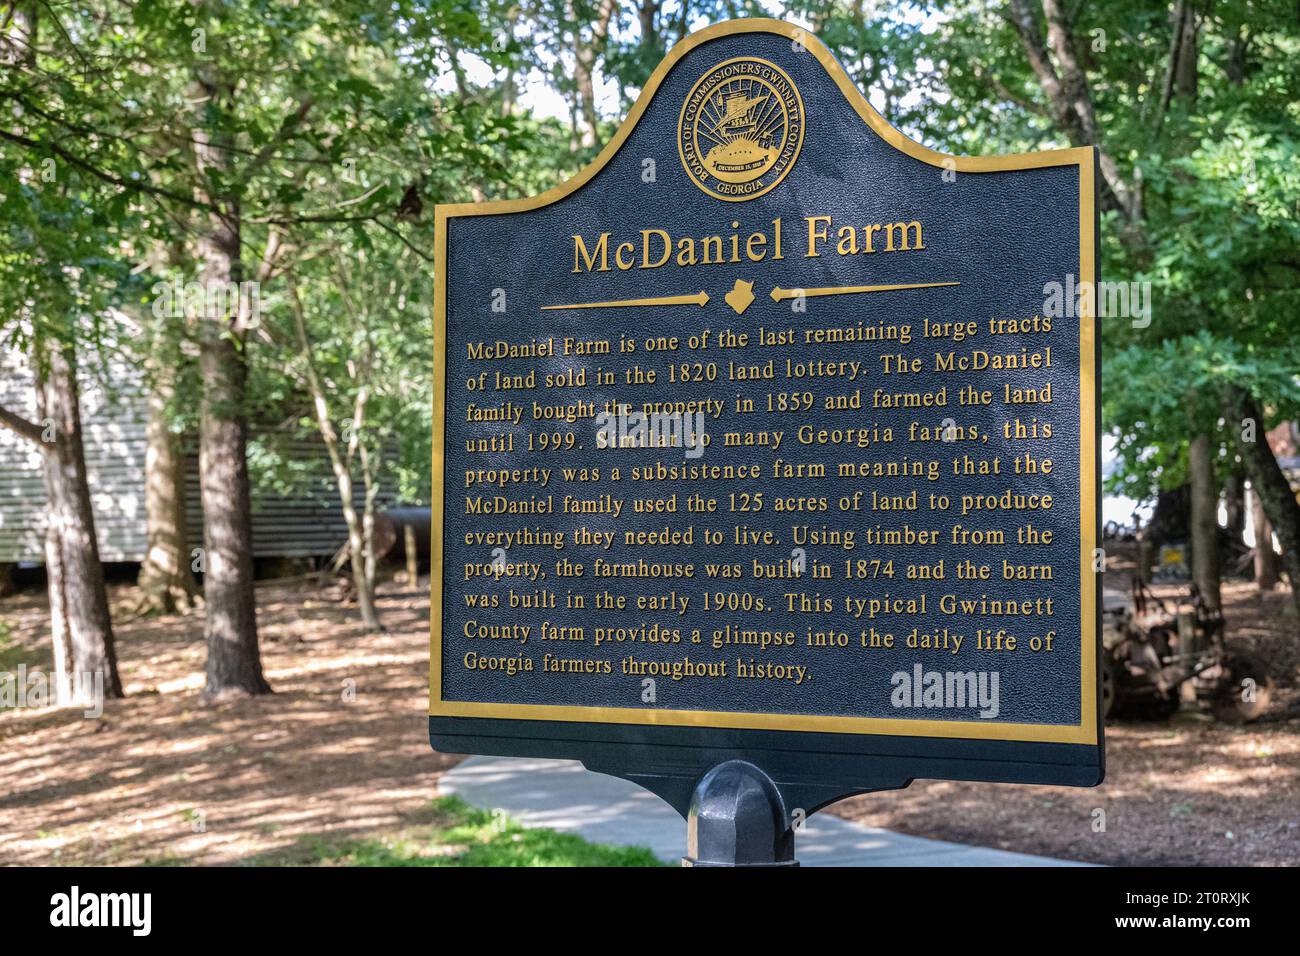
[
  {"x": 1154, "y": 397},
  {"x": 334, "y": 113}
]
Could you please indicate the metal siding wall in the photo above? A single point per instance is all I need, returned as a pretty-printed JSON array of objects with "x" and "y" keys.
[
  {"x": 304, "y": 523},
  {"x": 22, "y": 492},
  {"x": 113, "y": 432}
]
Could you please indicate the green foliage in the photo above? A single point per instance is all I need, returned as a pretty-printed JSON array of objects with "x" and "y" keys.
[
  {"x": 1218, "y": 169},
  {"x": 335, "y": 143},
  {"x": 462, "y": 835},
  {"x": 1178, "y": 387},
  {"x": 346, "y": 122}
]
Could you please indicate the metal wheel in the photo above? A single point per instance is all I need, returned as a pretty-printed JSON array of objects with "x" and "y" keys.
[{"x": 1240, "y": 702}]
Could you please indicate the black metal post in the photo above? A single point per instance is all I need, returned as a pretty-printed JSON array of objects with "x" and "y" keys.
[{"x": 738, "y": 818}]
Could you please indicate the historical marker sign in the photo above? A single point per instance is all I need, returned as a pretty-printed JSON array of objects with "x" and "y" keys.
[{"x": 772, "y": 436}]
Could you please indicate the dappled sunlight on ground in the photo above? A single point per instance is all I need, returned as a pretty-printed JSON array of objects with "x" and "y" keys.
[
  {"x": 162, "y": 778},
  {"x": 1207, "y": 794},
  {"x": 1190, "y": 791}
]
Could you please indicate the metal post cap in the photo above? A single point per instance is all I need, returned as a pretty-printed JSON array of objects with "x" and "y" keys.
[{"x": 738, "y": 818}]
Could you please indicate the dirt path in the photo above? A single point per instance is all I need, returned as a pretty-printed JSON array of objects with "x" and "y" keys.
[
  {"x": 1189, "y": 795},
  {"x": 160, "y": 778},
  {"x": 1184, "y": 792}
]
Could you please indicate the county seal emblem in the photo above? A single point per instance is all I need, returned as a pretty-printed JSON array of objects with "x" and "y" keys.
[{"x": 740, "y": 128}]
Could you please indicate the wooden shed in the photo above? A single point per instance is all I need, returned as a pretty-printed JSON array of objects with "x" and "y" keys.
[{"x": 302, "y": 519}]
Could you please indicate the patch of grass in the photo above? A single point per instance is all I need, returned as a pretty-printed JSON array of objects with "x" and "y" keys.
[
  {"x": 11, "y": 655},
  {"x": 462, "y": 835},
  {"x": 166, "y": 858}
]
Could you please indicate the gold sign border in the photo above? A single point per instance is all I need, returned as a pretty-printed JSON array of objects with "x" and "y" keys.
[
  {"x": 1087, "y": 730},
  {"x": 798, "y": 147}
]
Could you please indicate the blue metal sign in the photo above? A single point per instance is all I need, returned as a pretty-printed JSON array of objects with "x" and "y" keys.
[{"x": 771, "y": 435}]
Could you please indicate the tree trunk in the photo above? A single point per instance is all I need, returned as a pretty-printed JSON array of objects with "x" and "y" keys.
[
  {"x": 83, "y": 597},
  {"x": 60, "y": 643},
  {"x": 1266, "y": 476},
  {"x": 1205, "y": 520},
  {"x": 1169, "y": 522},
  {"x": 1266, "y": 570},
  {"x": 1185, "y": 76},
  {"x": 371, "y": 491},
  {"x": 1069, "y": 97},
  {"x": 81, "y": 628},
  {"x": 584, "y": 73},
  {"x": 360, "y": 533},
  {"x": 358, "y": 549},
  {"x": 234, "y": 661},
  {"x": 646, "y": 12},
  {"x": 1234, "y": 506},
  {"x": 165, "y": 574},
  {"x": 412, "y": 555},
  {"x": 363, "y": 578},
  {"x": 509, "y": 84}
]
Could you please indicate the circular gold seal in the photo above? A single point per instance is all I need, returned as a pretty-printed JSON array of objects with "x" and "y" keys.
[{"x": 740, "y": 129}]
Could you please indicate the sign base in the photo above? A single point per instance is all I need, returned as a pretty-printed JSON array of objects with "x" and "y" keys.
[
  {"x": 737, "y": 818},
  {"x": 810, "y": 770}
]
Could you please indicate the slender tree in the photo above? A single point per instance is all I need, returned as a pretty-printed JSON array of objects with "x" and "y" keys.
[
  {"x": 47, "y": 298},
  {"x": 1205, "y": 521},
  {"x": 1266, "y": 569}
]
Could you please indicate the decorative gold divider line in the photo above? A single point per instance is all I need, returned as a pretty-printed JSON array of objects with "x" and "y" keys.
[
  {"x": 779, "y": 294},
  {"x": 700, "y": 298}
]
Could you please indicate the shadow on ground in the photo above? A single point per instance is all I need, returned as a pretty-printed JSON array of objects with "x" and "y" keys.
[
  {"x": 340, "y": 748},
  {"x": 340, "y": 753}
]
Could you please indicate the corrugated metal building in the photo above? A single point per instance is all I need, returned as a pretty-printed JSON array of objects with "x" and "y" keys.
[{"x": 301, "y": 520}]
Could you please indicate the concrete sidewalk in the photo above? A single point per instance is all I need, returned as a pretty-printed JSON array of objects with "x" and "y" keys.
[{"x": 564, "y": 796}]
